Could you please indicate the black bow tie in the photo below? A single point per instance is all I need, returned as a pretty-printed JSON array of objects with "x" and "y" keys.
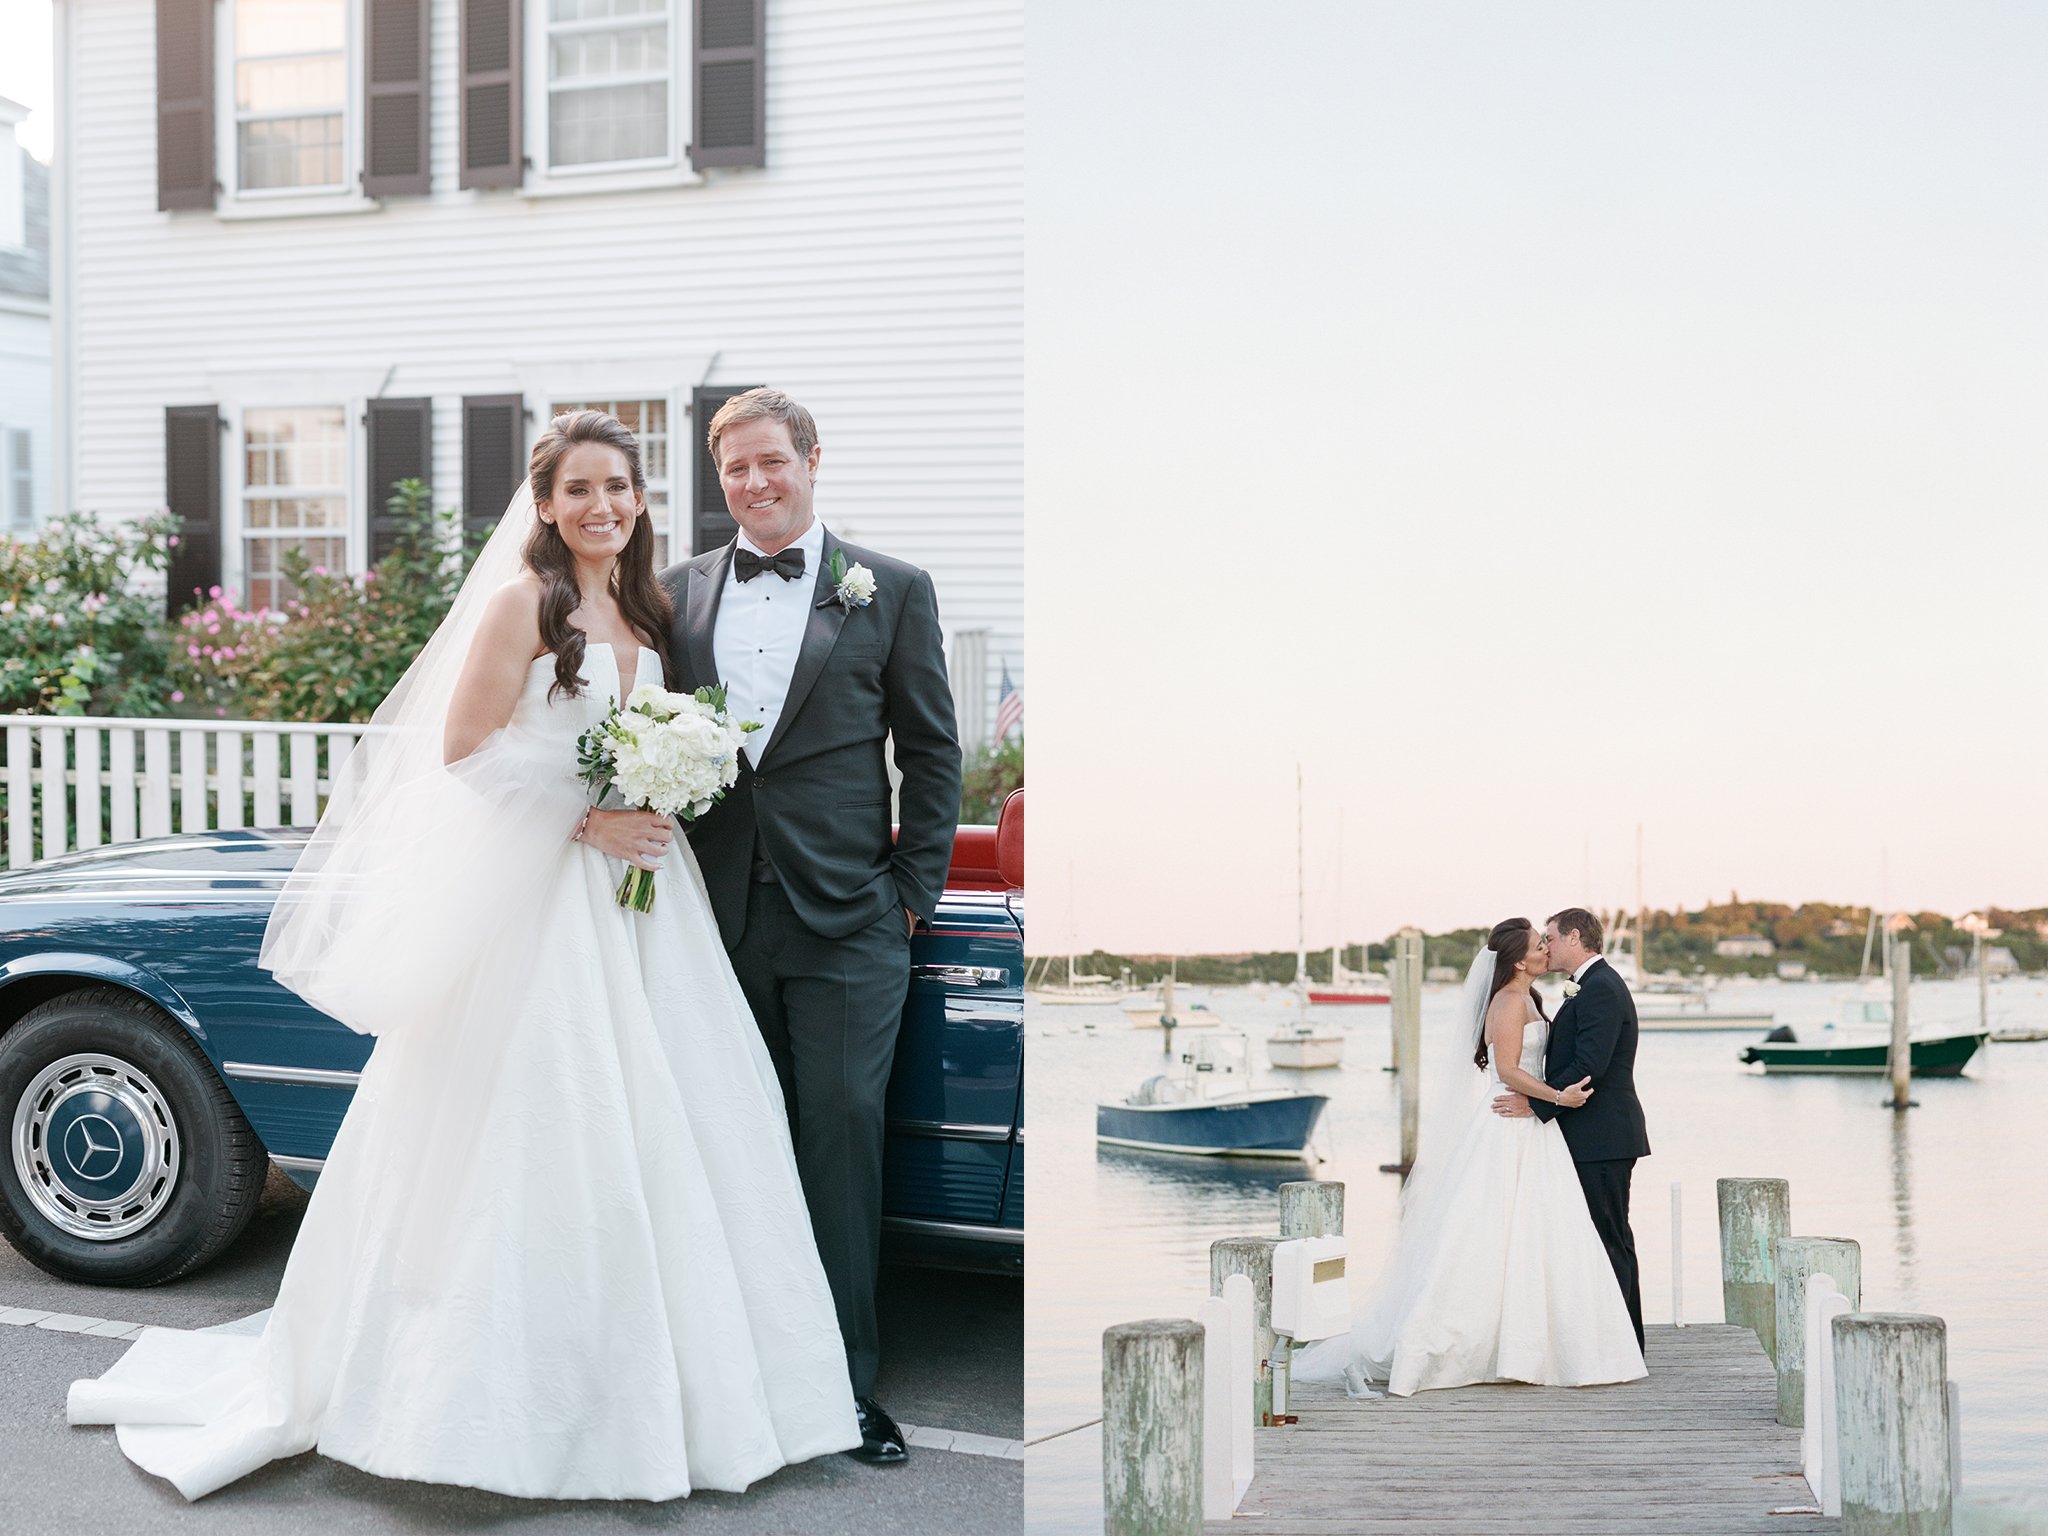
[{"x": 789, "y": 564}]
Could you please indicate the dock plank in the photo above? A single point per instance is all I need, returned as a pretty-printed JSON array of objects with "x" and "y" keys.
[{"x": 1694, "y": 1449}]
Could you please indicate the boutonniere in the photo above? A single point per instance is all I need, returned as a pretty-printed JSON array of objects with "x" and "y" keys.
[
  {"x": 1571, "y": 989},
  {"x": 853, "y": 586}
]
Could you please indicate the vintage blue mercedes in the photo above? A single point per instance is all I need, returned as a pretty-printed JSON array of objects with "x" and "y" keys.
[{"x": 150, "y": 1072}]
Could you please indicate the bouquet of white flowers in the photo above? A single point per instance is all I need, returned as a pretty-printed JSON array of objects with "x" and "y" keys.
[{"x": 672, "y": 753}]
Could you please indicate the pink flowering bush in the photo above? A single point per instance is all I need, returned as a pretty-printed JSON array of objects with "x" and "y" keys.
[{"x": 341, "y": 644}]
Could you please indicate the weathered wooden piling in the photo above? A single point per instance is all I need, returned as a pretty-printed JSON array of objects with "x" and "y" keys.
[
  {"x": 1251, "y": 1257},
  {"x": 1754, "y": 1214},
  {"x": 1312, "y": 1208},
  {"x": 1408, "y": 1029},
  {"x": 1891, "y": 1401},
  {"x": 1152, "y": 1391},
  {"x": 1794, "y": 1258},
  {"x": 1900, "y": 1057}
]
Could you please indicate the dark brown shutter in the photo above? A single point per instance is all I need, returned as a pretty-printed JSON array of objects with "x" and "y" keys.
[
  {"x": 184, "y": 104},
  {"x": 395, "y": 120},
  {"x": 401, "y": 444},
  {"x": 491, "y": 154},
  {"x": 730, "y": 99},
  {"x": 710, "y": 524},
  {"x": 493, "y": 457},
  {"x": 192, "y": 492}
]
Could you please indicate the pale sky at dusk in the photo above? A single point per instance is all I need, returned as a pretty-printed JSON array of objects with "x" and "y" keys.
[{"x": 1538, "y": 420}]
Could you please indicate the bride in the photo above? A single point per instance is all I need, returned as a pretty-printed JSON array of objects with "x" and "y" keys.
[
  {"x": 558, "y": 1249},
  {"x": 1497, "y": 1273}
]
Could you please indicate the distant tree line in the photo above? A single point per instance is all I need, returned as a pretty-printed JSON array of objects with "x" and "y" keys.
[{"x": 1827, "y": 939}]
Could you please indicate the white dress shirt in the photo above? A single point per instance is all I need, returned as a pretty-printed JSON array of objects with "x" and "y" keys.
[
  {"x": 759, "y": 631},
  {"x": 1584, "y": 966}
]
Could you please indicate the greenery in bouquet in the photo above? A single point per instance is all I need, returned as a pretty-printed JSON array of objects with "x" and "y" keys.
[
  {"x": 76, "y": 637},
  {"x": 672, "y": 753},
  {"x": 342, "y": 642}
]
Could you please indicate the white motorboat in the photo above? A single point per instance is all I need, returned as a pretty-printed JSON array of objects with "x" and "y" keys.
[{"x": 1301, "y": 1047}]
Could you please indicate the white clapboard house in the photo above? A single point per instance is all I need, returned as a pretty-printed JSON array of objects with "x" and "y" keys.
[
  {"x": 24, "y": 330},
  {"x": 304, "y": 248}
]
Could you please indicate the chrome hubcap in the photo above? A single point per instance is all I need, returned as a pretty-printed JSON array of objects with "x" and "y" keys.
[{"x": 95, "y": 1146}]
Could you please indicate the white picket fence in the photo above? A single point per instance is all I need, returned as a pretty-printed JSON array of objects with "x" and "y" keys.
[{"x": 85, "y": 782}]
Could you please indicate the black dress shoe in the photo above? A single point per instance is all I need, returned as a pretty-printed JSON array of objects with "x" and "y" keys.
[{"x": 881, "y": 1442}]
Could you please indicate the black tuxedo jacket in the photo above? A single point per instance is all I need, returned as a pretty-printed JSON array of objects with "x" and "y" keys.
[
  {"x": 1594, "y": 1035},
  {"x": 819, "y": 803}
]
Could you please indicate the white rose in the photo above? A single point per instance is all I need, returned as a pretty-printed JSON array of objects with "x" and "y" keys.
[{"x": 859, "y": 584}]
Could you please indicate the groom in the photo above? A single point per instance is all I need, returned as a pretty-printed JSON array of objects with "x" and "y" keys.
[
  {"x": 1595, "y": 1036},
  {"x": 837, "y": 651}
]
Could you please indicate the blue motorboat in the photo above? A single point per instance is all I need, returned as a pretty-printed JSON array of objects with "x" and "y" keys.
[{"x": 1211, "y": 1110}]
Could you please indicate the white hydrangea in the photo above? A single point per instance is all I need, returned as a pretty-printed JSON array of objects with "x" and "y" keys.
[{"x": 675, "y": 764}]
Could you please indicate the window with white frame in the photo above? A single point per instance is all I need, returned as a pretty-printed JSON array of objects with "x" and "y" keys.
[
  {"x": 610, "y": 82},
  {"x": 648, "y": 421},
  {"x": 21, "y": 480},
  {"x": 291, "y": 87},
  {"x": 294, "y": 495}
]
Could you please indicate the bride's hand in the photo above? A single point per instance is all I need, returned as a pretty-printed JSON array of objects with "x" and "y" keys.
[
  {"x": 641, "y": 838},
  {"x": 1576, "y": 1095}
]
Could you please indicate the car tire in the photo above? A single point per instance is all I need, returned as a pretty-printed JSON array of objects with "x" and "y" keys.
[{"x": 126, "y": 1160}]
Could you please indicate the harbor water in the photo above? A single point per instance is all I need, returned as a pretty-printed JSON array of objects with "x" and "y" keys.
[{"x": 1949, "y": 1200}]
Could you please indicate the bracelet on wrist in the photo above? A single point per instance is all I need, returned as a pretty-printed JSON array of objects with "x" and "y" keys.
[{"x": 582, "y": 826}]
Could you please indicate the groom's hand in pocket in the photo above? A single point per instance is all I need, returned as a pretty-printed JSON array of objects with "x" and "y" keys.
[{"x": 1514, "y": 1105}]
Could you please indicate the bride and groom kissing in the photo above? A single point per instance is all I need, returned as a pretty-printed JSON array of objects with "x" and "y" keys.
[
  {"x": 603, "y": 1217},
  {"x": 1514, "y": 1260}
]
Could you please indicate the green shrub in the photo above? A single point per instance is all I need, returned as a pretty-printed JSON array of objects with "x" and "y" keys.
[
  {"x": 75, "y": 637},
  {"x": 987, "y": 777}
]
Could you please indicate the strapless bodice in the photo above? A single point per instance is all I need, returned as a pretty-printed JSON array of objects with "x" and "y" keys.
[{"x": 1535, "y": 1041}]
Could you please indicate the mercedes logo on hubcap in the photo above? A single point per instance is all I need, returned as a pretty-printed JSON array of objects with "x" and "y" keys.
[{"x": 93, "y": 1146}]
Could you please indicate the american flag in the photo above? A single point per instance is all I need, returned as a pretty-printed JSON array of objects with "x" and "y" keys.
[{"x": 1009, "y": 704}]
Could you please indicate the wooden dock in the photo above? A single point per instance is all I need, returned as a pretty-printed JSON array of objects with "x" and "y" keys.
[{"x": 1695, "y": 1449}]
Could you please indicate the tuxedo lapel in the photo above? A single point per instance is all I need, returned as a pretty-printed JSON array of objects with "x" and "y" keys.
[
  {"x": 821, "y": 633},
  {"x": 700, "y": 615}
]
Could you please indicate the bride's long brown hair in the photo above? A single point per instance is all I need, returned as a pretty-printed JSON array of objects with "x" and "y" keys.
[
  {"x": 641, "y": 600},
  {"x": 1509, "y": 942}
]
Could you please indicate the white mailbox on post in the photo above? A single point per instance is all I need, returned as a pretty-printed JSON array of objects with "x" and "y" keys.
[{"x": 1310, "y": 1300}]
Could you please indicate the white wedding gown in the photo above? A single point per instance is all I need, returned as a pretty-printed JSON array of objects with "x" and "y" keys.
[
  {"x": 559, "y": 1248},
  {"x": 1502, "y": 1278}
]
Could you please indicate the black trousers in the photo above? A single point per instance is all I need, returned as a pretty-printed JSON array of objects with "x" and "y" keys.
[
  {"x": 829, "y": 1010},
  {"x": 1606, "y": 1186}
]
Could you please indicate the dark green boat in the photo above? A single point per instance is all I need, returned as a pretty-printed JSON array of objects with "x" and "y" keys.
[{"x": 1933, "y": 1056}]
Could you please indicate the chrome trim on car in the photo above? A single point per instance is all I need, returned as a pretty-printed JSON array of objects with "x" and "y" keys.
[
  {"x": 961, "y": 975},
  {"x": 319, "y": 1077},
  {"x": 299, "y": 1164},
  {"x": 962, "y": 1229},
  {"x": 950, "y": 1130}
]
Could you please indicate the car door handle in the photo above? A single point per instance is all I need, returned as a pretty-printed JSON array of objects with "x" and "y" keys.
[{"x": 961, "y": 975}]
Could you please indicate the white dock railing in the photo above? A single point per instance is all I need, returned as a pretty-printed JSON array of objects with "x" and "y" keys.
[{"x": 83, "y": 782}]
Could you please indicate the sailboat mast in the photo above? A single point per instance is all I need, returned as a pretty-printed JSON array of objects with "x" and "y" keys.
[
  {"x": 1642, "y": 970},
  {"x": 1300, "y": 892},
  {"x": 1337, "y": 939}
]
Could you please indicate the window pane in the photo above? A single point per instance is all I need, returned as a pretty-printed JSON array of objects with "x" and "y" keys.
[
  {"x": 624, "y": 122},
  {"x": 282, "y": 85},
  {"x": 289, "y": 26},
  {"x": 292, "y": 152},
  {"x": 584, "y": 56},
  {"x": 599, "y": 10}
]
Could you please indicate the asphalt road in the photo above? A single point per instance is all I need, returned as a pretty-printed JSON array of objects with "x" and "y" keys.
[{"x": 953, "y": 1359}]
